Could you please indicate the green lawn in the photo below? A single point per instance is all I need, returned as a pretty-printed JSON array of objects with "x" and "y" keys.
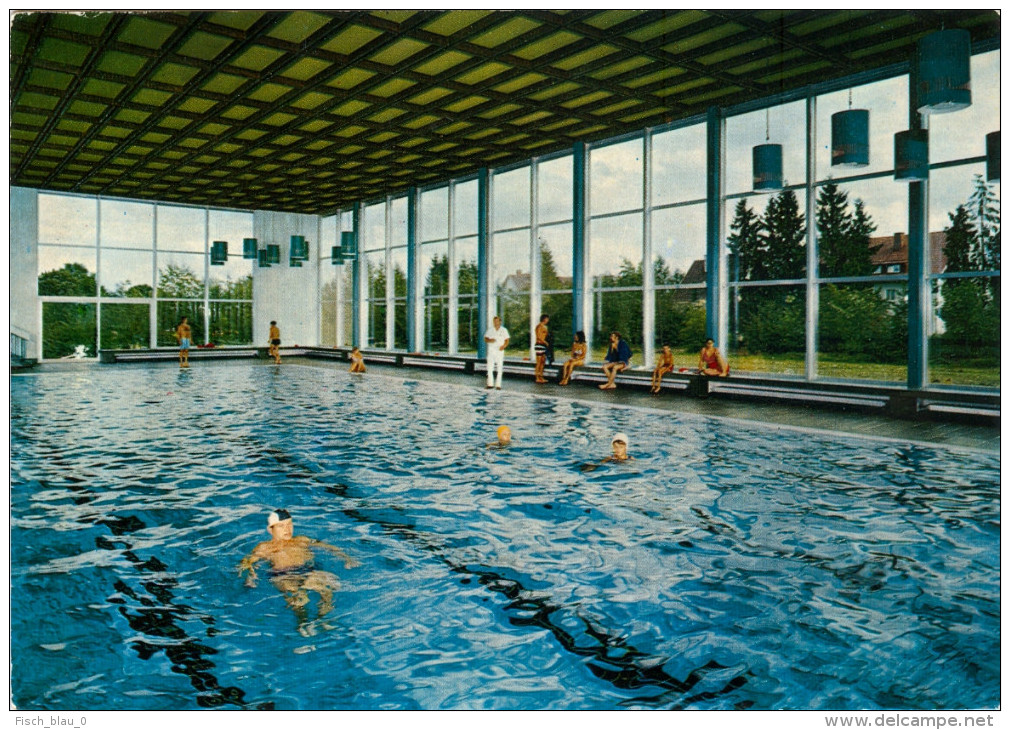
[{"x": 832, "y": 366}]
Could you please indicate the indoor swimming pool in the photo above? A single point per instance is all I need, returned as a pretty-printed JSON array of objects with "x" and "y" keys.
[{"x": 729, "y": 565}]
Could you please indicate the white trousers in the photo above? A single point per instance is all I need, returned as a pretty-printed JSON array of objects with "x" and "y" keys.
[{"x": 495, "y": 359}]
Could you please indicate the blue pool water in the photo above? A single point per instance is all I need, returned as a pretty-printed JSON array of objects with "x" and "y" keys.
[{"x": 728, "y": 566}]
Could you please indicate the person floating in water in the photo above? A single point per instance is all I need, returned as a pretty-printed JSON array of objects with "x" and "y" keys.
[
  {"x": 504, "y": 438},
  {"x": 291, "y": 567},
  {"x": 357, "y": 361},
  {"x": 183, "y": 333},
  {"x": 275, "y": 343}
]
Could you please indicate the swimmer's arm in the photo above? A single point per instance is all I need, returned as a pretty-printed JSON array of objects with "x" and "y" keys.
[
  {"x": 349, "y": 562},
  {"x": 247, "y": 566}
]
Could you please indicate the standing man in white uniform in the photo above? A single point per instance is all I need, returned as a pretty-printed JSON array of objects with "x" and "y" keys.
[{"x": 497, "y": 339}]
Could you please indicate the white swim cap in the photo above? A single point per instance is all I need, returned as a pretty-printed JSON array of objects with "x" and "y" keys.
[{"x": 278, "y": 515}]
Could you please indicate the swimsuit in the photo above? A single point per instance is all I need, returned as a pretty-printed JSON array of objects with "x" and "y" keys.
[
  {"x": 275, "y": 342},
  {"x": 184, "y": 343}
]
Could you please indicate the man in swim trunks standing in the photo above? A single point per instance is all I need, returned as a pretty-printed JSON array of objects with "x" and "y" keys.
[
  {"x": 541, "y": 348},
  {"x": 182, "y": 334},
  {"x": 291, "y": 571},
  {"x": 275, "y": 343},
  {"x": 497, "y": 339}
]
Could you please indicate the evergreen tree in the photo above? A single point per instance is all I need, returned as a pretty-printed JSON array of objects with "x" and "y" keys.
[
  {"x": 783, "y": 237},
  {"x": 746, "y": 245},
  {"x": 843, "y": 236}
]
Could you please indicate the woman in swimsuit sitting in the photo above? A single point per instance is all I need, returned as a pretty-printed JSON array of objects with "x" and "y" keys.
[
  {"x": 578, "y": 358},
  {"x": 711, "y": 361},
  {"x": 664, "y": 366}
]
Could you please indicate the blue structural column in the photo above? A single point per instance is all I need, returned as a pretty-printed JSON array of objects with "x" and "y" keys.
[
  {"x": 918, "y": 263},
  {"x": 713, "y": 225},
  {"x": 356, "y": 265},
  {"x": 483, "y": 239},
  {"x": 412, "y": 257},
  {"x": 579, "y": 237}
]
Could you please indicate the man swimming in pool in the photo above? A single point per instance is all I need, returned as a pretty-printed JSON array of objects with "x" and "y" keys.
[{"x": 291, "y": 567}]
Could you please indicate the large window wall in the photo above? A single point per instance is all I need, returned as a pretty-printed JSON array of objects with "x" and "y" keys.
[{"x": 119, "y": 274}]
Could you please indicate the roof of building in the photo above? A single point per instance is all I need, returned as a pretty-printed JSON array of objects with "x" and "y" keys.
[{"x": 311, "y": 111}]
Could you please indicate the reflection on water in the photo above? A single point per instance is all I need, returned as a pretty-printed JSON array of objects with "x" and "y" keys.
[{"x": 726, "y": 566}]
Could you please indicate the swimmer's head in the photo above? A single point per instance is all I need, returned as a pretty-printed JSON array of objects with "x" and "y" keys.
[
  {"x": 619, "y": 438},
  {"x": 278, "y": 515},
  {"x": 504, "y": 434}
]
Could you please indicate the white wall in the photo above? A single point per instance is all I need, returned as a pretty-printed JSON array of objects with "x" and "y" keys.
[
  {"x": 282, "y": 293},
  {"x": 24, "y": 260}
]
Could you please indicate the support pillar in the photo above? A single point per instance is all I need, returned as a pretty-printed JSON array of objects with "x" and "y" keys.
[{"x": 483, "y": 259}]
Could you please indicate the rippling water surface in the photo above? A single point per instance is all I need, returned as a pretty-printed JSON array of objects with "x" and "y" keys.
[{"x": 727, "y": 566}]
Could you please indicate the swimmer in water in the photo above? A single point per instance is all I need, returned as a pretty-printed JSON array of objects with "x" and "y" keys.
[
  {"x": 504, "y": 438},
  {"x": 357, "y": 361},
  {"x": 619, "y": 445},
  {"x": 291, "y": 567}
]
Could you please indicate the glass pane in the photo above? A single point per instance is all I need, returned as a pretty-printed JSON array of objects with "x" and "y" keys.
[
  {"x": 512, "y": 261},
  {"x": 469, "y": 331},
  {"x": 555, "y": 190},
  {"x": 398, "y": 260},
  {"x": 679, "y": 158},
  {"x": 435, "y": 269},
  {"x": 327, "y": 236},
  {"x": 514, "y": 309},
  {"x": 345, "y": 306},
  {"x": 180, "y": 275},
  {"x": 615, "y": 250},
  {"x": 376, "y": 268},
  {"x": 466, "y": 267},
  {"x": 678, "y": 245},
  {"x": 510, "y": 202},
  {"x": 231, "y": 323},
  {"x": 560, "y": 307},
  {"x": 617, "y": 311},
  {"x": 964, "y": 348},
  {"x": 786, "y": 126},
  {"x": 376, "y": 324},
  {"x": 965, "y": 186},
  {"x": 234, "y": 280},
  {"x": 962, "y": 134},
  {"x": 436, "y": 324},
  {"x": 170, "y": 314},
  {"x": 464, "y": 212},
  {"x": 434, "y": 223},
  {"x": 232, "y": 226},
  {"x": 67, "y": 272},
  {"x": 861, "y": 228},
  {"x": 181, "y": 229},
  {"x": 767, "y": 329},
  {"x": 67, "y": 219},
  {"x": 615, "y": 177},
  {"x": 556, "y": 257},
  {"x": 400, "y": 324},
  {"x": 126, "y": 326},
  {"x": 373, "y": 227},
  {"x": 68, "y": 330},
  {"x": 681, "y": 324},
  {"x": 887, "y": 102},
  {"x": 328, "y": 323},
  {"x": 127, "y": 273},
  {"x": 127, "y": 225},
  {"x": 398, "y": 216},
  {"x": 769, "y": 237},
  {"x": 863, "y": 331}
]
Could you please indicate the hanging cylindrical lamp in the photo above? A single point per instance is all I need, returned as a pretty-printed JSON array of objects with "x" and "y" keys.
[
  {"x": 348, "y": 246},
  {"x": 767, "y": 164},
  {"x": 767, "y": 167},
  {"x": 299, "y": 248},
  {"x": 992, "y": 157},
  {"x": 249, "y": 248},
  {"x": 218, "y": 253},
  {"x": 911, "y": 155},
  {"x": 850, "y": 137},
  {"x": 336, "y": 257},
  {"x": 273, "y": 253},
  {"x": 943, "y": 61},
  {"x": 264, "y": 258}
]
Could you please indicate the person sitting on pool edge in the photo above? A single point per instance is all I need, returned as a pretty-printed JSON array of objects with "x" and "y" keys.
[
  {"x": 504, "y": 438},
  {"x": 664, "y": 366},
  {"x": 618, "y": 359},
  {"x": 291, "y": 567},
  {"x": 357, "y": 361},
  {"x": 711, "y": 361},
  {"x": 577, "y": 359}
]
